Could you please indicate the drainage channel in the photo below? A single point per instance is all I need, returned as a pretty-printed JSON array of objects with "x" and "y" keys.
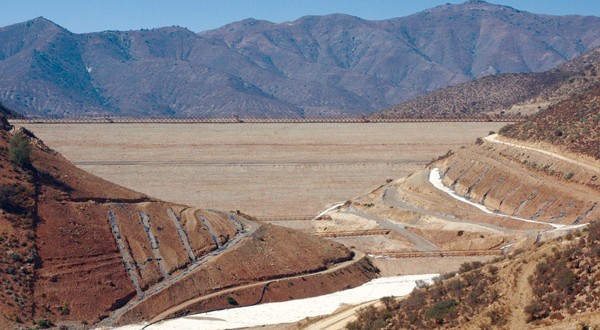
[
  {"x": 208, "y": 226},
  {"x": 183, "y": 237},
  {"x": 127, "y": 259},
  {"x": 145, "y": 219},
  {"x": 238, "y": 225}
]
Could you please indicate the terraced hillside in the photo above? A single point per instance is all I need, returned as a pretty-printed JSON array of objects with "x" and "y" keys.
[
  {"x": 489, "y": 198},
  {"x": 523, "y": 184},
  {"x": 77, "y": 249},
  {"x": 485, "y": 197},
  {"x": 527, "y": 203}
]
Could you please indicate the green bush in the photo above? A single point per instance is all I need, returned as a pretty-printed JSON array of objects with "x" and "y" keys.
[
  {"x": 44, "y": 324},
  {"x": 507, "y": 129},
  {"x": 232, "y": 301},
  {"x": 469, "y": 266},
  {"x": 536, "y": 310},
  {"x": 19, "y": 149},
  {"x": 440, "y": 309}
]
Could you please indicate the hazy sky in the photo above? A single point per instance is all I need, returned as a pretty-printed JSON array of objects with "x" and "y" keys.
[{"x": 198, "y": 15}]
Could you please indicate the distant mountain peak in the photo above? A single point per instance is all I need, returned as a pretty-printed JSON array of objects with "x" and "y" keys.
[
  {"x": 40, "y": 23},
  {"x": 246, "y": 25},
  {"x": 475, "y": 2},
  {"x": 38, "y": 20},
  {"x": 336, "y": 17},
  {"x": 41, "y": 20}
]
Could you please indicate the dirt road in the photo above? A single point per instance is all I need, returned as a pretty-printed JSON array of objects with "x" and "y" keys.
[
  {"x": 338, "y": 321},
  {"x": 390, "y": 198},
  {"x": 418, "y": 242},
  {"x": 357, "y": 256},
  {"x": 494, "y": 138}
]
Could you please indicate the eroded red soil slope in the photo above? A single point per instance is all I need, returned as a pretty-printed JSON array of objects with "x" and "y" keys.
[{"x": 76, "y": 248}]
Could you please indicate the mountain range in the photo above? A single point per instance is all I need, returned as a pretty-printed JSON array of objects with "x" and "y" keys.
[{"x": 334, "y": 65}]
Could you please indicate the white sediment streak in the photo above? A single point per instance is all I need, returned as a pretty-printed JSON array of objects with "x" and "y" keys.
[
  {"x": 293, "y": 310},
  {"x": 333, "y": 207},
  {"x": 436, "y": 180}
]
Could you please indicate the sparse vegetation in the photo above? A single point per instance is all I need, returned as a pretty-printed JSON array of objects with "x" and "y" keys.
[
  {"x": 44, "y": 324},
  {"x": 573, "y": 124},
  {"x": 565, "y": 282},
  {"x": 478, "y": 97},
  {"x": 441, "y": 309},
  {"x": 448, "y": 301}
]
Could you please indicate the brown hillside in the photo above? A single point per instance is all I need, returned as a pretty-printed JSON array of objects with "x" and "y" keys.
[
  {"x": 573, "y": 124},
  {"x": 18, "y": 252},
  {"x": 505, "y": 93},
  {"x": 478, "y": 97},
  {"x": 551, "y": 286},
  {"x": 79, "y": 249}
]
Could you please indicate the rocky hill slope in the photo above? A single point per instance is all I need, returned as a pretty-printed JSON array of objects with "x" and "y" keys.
[
  {"x": 505, "y": 94},
  {"x": 314, "y": 66},
  {"x": 573, "y": 124},
  {"x": 76, "y": 249},
  {"x": 551, "y": 286}
]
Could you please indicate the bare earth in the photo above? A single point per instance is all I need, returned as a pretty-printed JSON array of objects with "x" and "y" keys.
[{"x": 261, "y": 169}]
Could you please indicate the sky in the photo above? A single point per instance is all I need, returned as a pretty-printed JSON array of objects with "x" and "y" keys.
[{"x": 81, "y": 16}]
